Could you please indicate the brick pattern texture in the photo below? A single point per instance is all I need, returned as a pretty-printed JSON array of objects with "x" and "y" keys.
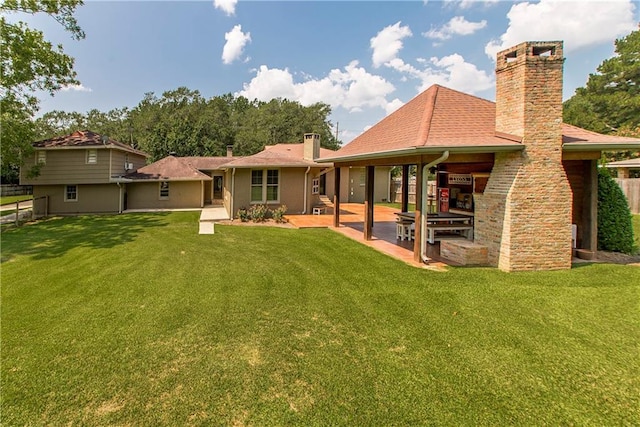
[{"x": 524, "y": 215}]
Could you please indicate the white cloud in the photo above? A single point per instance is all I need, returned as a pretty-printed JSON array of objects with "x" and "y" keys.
[
  {"x": 393, "y": 106},
  {"x": 236, "y": 41},
  {"x": 352, "y": 88},
  {"x": 458, "y": 25},
  {"x": 579, "y": 24},
  {"x": 451, "y": 71},
  {"x": 76, "y": 88},
  {"x": 454, "y": 72},
  {"x": 388, "y": 42},
  {"x": 466, "y": 4},
  {"x": 227, "y": 6}
]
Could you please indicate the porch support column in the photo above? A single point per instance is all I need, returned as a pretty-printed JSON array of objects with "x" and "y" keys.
[
  {"x": 336, "y": 197},
  {"x": 405, "y": 188},
  {"x": 368, "y": 203},
  {"x": 590, "y": 206},
  {"x": 418, "y": 229}
]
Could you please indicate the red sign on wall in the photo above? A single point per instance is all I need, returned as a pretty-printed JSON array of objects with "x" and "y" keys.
[{"x": 443, "y": 196}]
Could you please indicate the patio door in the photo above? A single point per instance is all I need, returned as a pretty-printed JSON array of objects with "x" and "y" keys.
[{"x": 217, "y": 187}]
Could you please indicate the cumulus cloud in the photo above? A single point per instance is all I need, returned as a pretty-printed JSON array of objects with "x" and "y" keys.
[
  {"x": 352, "y": 88},
  {"x": 76, "y": 88},
  {"x": 393, "y": 106},
  {"x": 227, "y": 6},
  {"x": 579, "y": 24},
  {"x": 236, "y": 41},
  {"x": 458, "y": 25},
  {"x": 388, "y": 42},
  {"x": 451, "y": 71}
]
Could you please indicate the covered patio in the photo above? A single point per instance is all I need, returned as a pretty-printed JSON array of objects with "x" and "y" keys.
[{"x": 383, "y": 232}]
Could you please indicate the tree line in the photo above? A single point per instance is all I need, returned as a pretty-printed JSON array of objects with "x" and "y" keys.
[{"x": 183, "y": 123}]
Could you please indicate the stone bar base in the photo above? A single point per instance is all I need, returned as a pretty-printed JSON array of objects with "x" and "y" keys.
[{"x": 464, "y": 252}]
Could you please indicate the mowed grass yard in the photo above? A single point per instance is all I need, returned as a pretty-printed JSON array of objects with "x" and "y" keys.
[{"x": 138, "y": 320}]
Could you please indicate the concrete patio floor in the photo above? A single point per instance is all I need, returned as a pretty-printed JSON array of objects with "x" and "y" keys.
[{"x": 384, "y": 232}]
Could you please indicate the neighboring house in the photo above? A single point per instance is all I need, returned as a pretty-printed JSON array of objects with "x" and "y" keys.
[
  {"x": 527, "y": 179},
  {"x": 629, "y": 168},
  {"x": 80, "y": 173}
]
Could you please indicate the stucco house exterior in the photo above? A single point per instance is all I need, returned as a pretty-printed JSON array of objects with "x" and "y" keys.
[
  {"x": 527, "y": 180},
  {"x": 81, "y": 173}
]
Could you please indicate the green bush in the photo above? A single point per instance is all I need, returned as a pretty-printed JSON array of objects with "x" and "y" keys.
[
  {"x": 615, "y": 231},
  {"x": 258, "y": 213},
  {"x": 243, "y": 214},
  {"x": 278, "y": 213}
]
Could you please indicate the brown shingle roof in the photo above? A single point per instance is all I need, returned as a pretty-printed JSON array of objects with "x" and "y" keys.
[
  {"x": 168, "y": 169},
  {"x": 440, "y": 118},
  {"x": 85, "y": 138},
  {"x": 279, "y": 155},
  {"x": 209, "y": 163}
]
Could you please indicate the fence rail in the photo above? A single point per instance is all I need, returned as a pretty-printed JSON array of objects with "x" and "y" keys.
[{"x": 631, "y": 189}]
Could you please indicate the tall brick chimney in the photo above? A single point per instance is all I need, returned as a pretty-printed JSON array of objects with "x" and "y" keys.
[
  {"x": 524, "y": 216},
  {"x": 311, "y": 146}
]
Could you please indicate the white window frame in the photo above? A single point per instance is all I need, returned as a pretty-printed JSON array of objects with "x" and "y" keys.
[
  {"x": 163, "y": 186},
  {"x": 66, "y": 193},
  {"x": 315, "y": 186},
  {"x": 264, "y": 184},
  {"x": 92, "y": 156},
  {"x": 41, "y": 157}
]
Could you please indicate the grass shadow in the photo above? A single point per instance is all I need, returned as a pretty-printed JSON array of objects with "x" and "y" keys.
[{"x": 53, "y": 237}]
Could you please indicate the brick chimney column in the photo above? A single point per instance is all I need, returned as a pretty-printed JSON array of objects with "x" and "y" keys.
[
  {"x": 524, "y": 216},
  {"x": 311, "y": 146}
]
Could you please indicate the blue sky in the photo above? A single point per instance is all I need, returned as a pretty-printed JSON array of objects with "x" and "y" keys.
[{"x": 364, "y": 58}]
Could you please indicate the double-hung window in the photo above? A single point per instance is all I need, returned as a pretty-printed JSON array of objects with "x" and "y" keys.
[
  {"x": 265, "y": 186},
  {"x": 71, "y": 193}
]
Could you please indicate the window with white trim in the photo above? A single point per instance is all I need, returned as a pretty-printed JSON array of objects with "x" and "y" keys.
[
  {"x": 265, "y": 186},
  {"x": 71, "y": 193},
  {"x": 164, "y": 190},
  {"x": 92, "y": 156},
  {"x": 315, "y": 186},
  {"x": 41, "y": 157}
]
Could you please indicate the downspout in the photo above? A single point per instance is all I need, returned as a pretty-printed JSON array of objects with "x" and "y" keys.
[
  {"x": 233, "y": 184},
  {"x": 120, "y": 198},
  {"x": 306, "y": 174},
  {"x": 389, "y": 186},
  {"x": 423, "y": 215}
]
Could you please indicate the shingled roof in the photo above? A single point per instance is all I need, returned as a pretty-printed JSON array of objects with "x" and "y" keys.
[
  {"x": 279, "y": 155},
  {"x": 169, "y": 169},
  {"x": 84, "y": 139},
  {"x": 445, "y": 119}
]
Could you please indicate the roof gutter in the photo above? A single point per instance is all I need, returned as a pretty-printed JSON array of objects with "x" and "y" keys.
[
  {"x": 413, "y": 151},
  {"x": 599, "y": 146}
]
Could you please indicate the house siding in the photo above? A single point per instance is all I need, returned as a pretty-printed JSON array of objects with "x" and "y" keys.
[
  {"x": 92, "y": 198},
  {"x": 182, "y": 195},
  {"x": 117, "y": 160},
  {"x": 68, "y": 166}
]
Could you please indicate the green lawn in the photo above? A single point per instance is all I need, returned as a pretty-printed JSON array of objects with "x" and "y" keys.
[
  {"x": 138, "y": 320},
  {"x": 6, "y": 200}
]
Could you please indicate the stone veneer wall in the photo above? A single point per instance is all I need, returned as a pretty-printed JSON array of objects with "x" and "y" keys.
[{"x": 524, "y": 215}]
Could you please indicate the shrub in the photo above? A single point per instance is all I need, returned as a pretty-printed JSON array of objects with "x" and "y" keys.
[
  {"x": 278, "y": 213},
  {"x": 615, "y": 231},
  {"x": 243, "y": 214},
  {"x": 258, "y": 213}
]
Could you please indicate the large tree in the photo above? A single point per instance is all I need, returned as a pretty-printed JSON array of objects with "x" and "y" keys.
[
  {"x": 610, "y": 101},
  {"x": 30, "y": 63}
]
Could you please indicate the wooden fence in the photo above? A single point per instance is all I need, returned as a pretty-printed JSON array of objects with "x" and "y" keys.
[
  {"x": 15, "y": 190},
  {"x": 631, "y": 189}
]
